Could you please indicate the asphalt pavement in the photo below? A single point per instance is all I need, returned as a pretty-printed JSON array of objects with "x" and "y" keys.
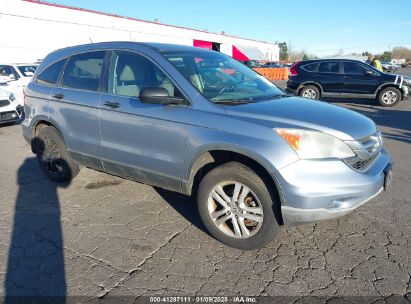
[{"x": 103, "y": 236}]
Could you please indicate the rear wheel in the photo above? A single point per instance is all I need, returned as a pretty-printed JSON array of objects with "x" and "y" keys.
[
  {"x": 52, "y": 156},
  {"x": 389, "y": 97},
  {"x": 237, "y": 208},
  {"x": 310, "y": 92}
]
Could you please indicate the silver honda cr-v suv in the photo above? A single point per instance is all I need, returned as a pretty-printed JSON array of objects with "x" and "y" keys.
[{"x": 200, "y": 123}]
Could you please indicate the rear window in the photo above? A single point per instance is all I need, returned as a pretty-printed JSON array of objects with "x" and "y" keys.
[
  {"x": 329, "y": 67},
  {"x": 83, "y": 71},
  {"x": 51, "y": 74},
  {"x": 310, "y": 67}
]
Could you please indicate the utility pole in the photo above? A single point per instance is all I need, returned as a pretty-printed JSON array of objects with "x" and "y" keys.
[{"x": 289, "y": 49}]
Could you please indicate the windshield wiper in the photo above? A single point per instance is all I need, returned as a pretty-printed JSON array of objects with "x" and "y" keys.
[
  {"x": 278, "y": 96},
  {"x": 234, "y": 101}
]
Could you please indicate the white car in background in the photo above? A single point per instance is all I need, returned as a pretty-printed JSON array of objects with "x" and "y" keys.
[
  {"x": 16, "y": 77},
  {"x": 10, "y": 108}
]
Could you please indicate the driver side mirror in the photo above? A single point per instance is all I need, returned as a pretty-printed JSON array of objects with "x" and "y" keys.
[
  {"x": 12, "y": 77},
  {"x": 368, "y": 72},
  {"x": 158, "y": 95}
]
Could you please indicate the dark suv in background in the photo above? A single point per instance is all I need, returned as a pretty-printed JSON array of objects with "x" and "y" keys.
[{"x": 315, "y": 79}]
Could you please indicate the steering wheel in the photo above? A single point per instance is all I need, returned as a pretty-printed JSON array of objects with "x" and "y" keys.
[
  {"x": 230, "y": 87},
  {"x": 227, "y": 88}
]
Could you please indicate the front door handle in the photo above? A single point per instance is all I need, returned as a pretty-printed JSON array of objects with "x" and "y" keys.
[
  {"x": 58, "y": 96},
  {"x": 112, "y": 104},
  {"x": 347, "y": 77}
]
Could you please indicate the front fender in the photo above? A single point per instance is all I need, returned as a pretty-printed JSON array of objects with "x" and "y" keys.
[{"x": 271, "y": 154}]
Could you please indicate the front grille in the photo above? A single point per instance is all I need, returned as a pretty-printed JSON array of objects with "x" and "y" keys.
[
  {"x": 359, "y": 164},
  {"x": 4, "y": 103},
  {"x": 367, "y": 147}
]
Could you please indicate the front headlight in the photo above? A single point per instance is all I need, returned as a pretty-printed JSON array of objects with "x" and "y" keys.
[
  {"x": 313, "y": 144},
  {"x": 12, "y": 97}
]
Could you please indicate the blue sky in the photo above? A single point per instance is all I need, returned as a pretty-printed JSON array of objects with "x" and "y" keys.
[{"x": 318, "y": 26}]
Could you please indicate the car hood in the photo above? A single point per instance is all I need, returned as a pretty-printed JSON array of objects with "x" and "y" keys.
[
  {"x": 295, "y": 112},
  {"x": 4, "y": 94}
]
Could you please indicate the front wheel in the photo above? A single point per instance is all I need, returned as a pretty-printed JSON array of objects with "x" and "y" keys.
[
  {"x": 310, "y": 92},
  {"x": 237, "y": 208},
  {"x": 389, "y": 97}
]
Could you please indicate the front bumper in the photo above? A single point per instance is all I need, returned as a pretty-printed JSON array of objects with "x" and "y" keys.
[
  {"x": 11, "y": 115},
  {"x": 321, "y": 190},
  {"x": 406, "y": 91}
]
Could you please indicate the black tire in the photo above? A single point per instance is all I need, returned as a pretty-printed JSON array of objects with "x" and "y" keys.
[
  {"x": 386, "y": 95},
  {"x": 310, "y": 92},
  {"x": 237, "y": 172},
  {"x": 52, "y": 156}
]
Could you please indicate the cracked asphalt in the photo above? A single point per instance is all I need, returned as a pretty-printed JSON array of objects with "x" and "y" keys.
[{"x": 103, "y": 236}]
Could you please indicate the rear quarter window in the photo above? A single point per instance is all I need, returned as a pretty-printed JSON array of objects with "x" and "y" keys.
[
  {"x": 312, "y": 67},
  {"x": 51, "y": 74}
]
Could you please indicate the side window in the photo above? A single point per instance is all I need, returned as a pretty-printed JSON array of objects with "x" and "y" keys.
[
  {"x": 51, "y": 74},
  {"x": 354, "y": 68},
  {"x": 310, "y": 67},
  {"x": 83, "y": 71},
  {"x": 329, "y": 67},
  {"x": 130, "y": 73}
]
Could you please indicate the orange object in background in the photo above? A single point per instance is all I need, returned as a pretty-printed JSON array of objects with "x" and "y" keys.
[{"x": 273, "y": 73}]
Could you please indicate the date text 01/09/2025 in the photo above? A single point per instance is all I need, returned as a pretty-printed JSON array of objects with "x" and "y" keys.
[{"x": 202, "y": 299}]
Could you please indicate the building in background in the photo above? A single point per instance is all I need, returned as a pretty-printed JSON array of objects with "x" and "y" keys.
[
  {"x": 31, "y": 29},
  {"x": 398, "y": 61}
]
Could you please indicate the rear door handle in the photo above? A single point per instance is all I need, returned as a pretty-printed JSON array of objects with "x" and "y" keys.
[
  {"x": 347, "y": 77},
  {"x": 58, "y": 96},
  {"x": 112, "y": 104}
]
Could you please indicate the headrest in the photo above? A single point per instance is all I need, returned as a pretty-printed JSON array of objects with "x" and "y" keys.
[{"x": 127, "y": 74}]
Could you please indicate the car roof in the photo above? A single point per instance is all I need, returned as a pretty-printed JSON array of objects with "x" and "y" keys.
[
  {"x": 71, "y": 50},
  {"x": 328, "y": 60},
  {"x": 17, "y": 64},
  {"x": 159, "y": 47}
]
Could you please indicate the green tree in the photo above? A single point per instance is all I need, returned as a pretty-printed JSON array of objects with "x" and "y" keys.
[
  {"x": 305, "y": 57},
  {"x": 283, "y": 50},
  {"x": 385, "y": 56}
]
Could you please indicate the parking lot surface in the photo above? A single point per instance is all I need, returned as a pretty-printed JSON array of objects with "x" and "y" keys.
[{"x": 103, "y": 236}]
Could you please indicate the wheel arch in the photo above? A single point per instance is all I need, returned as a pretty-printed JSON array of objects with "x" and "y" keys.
[
  {"x": 307, "y": 83},
  {"x": 388, "y": 85},
  {"x": 209, "y": 159},
  {"x": 38, "y": 125}
]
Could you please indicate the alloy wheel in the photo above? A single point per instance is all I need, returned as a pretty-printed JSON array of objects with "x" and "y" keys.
[
  {"x": 50, "y": 156},
  {"x": 235, "y": 209},
  {"x": 389, "y": 97},
  {"x": 309, "y": 93}
]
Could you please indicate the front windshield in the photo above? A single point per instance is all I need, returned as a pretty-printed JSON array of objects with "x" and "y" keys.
[
  {"x": 221, "y": 78},
  {"x": 27, "y": 70}
]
